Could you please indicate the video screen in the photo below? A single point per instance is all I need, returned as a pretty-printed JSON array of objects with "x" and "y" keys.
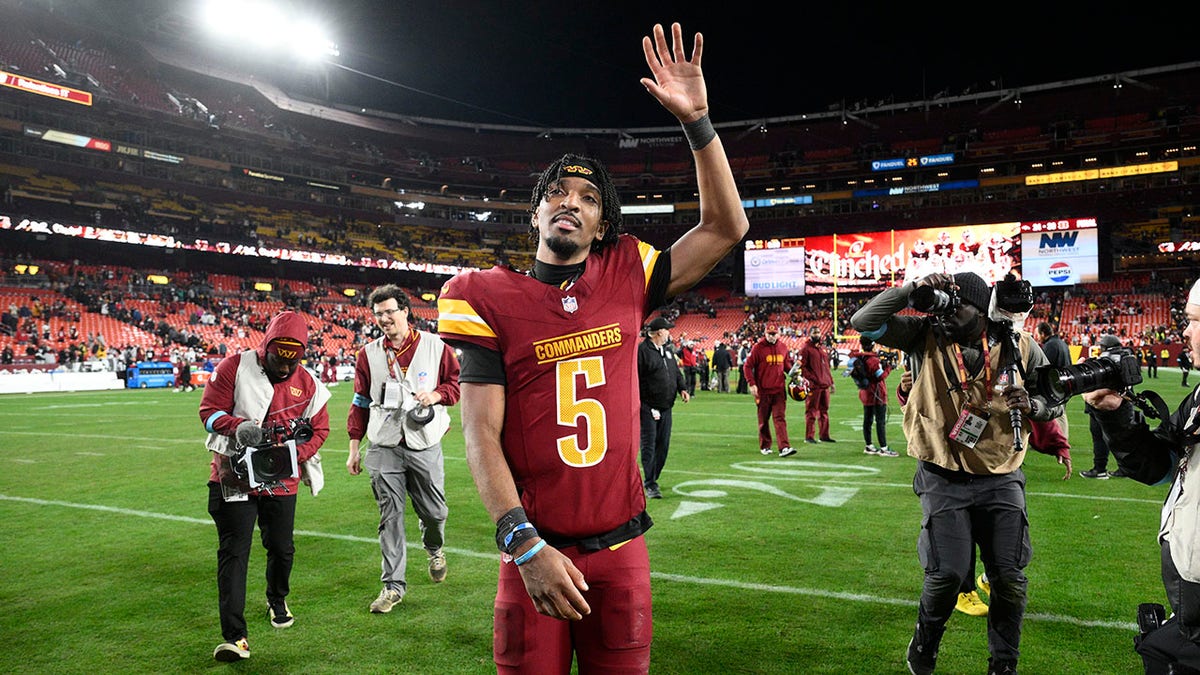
[
  {"x": 774, "y": 267},
  {"x": 1047, "y": 253},
  {"x": 1061, "y": 252}
]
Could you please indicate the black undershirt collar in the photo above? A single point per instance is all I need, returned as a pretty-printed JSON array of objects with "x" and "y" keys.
[{"x": 557, "y": 275}]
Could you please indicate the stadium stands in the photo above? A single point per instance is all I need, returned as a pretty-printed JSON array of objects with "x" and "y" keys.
[{"x": 259, "y": 171}]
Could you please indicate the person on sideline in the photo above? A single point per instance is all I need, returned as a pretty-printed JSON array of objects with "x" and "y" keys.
[
  {"x": 549, "y": 400},
  {"x": 814, "y": 367},
  {"x": 722, "y": 362},
  {"x": 659, "y": 382},
  {"x": 959, "y": 423},
  {"x": 689, "y": 358},
  {"x": 873, "y": 398},
  {"x": 248, "y": 398},
  {"x": 969, "y": 601},
  {"x": 743, "y": 353},
  {"x": 1100, "y": 453},
  {"x": 403, "y": 382},
  {"x": 766, "y": 371},
  {"x": 1058, "y": 354},
  {"x": 1156, "y": 456}
]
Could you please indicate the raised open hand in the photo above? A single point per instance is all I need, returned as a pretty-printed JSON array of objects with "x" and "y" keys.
[{"x": 678, "y": 82}]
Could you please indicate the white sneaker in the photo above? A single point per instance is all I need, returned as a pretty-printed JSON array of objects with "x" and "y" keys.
[
  {"x": 437, "y": 567},
  {"x": 789, "y": 450},
  {"x": 870, "y": 450},
  {"x": 386, "y": 601},
  {"x": 885, "y": 452},
  {"x": 228, "y": 652},
  {"x": 765, "y": 451}
]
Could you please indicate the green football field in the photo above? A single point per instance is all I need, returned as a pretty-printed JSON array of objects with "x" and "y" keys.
[{"x": 760, "y": 565}]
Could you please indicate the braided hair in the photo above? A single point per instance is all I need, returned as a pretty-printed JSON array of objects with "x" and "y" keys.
[{"x": 596, "y": 173}]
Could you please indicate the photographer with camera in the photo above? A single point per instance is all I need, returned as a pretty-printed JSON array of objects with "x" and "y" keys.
[
  {"x": 403, "y": 382},
  {"x": 870, "y": 376},
  {"x": 1099, "y": 470},
  {"x": 266, "y": 417},
  {"x": 966, "y": 420},
  {"x": 1155, "y": 456}
]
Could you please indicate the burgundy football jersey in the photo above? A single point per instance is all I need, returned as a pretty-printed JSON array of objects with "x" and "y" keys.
[{"x": 570, "y": 357}]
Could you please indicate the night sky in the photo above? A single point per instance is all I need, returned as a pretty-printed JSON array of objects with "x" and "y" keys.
[{"x": 563, "y": 64}]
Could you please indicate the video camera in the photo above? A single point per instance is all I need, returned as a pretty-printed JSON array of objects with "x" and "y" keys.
[
  {"x": 267, "y": 455},
  {"x": 1014, "y": 295},
  {"x": 1117, "y": 369},
  {"x": 298, "y": 429},
  {"x": 889, "y": 359}
]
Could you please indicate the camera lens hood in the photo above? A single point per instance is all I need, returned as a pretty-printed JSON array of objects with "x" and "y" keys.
[{"x": 421, "y": 415}]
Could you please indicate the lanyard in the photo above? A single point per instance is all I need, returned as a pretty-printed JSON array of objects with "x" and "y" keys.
[
  {"x": 963, "y": 376},
  {"x": 393, "y": 356}
]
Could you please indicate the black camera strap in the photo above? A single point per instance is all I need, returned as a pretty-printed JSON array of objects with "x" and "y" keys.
[{"x": 1153, "y": 406}]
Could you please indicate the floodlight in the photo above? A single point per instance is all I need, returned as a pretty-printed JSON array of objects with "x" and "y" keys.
[{"x": 266, "y": 26}]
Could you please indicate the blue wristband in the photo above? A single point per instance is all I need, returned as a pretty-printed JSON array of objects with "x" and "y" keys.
[
  {"x": 508, "y": 540},
  {"x": 524, "y": 557}
]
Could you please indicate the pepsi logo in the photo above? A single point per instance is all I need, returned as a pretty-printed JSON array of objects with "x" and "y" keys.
[{"x": 1059, "y": 272}]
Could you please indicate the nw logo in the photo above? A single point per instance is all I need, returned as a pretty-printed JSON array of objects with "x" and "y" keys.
[{"x": 1058, "y": 239}]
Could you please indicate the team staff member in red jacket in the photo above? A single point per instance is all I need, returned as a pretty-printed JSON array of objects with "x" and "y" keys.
[
  {"x": 814, "y": 367},
  {"x": 258, "y": 389},
  {"x": 766, "y": 372}
]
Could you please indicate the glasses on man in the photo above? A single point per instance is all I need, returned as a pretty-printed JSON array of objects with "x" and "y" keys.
[{"x": 386, "y": 312}]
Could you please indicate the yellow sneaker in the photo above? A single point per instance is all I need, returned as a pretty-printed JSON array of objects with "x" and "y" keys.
[
  {"x": 970, "y": 603},
  {"x": 982, "y": 583}
]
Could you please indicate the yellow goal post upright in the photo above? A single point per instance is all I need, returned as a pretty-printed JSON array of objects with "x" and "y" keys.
[{"x": 837, "y": 331}]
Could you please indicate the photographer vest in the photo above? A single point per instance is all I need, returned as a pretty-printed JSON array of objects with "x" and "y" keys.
[
  {"x": 1180, "y": 523},
  {"x": 937, "y": 400},
  {"x": 389, "y": 428},
  {"x": 252, "y": 396}
]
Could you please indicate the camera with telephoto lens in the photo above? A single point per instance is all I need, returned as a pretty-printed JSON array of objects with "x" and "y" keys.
[
  {"x": 1117, "y": 369},
  {"x": 930, "y": 300}
]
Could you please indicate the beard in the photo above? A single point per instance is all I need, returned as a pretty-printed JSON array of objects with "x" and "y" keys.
[
  {"x": 562, "y": 246},
  {"x": 963, "y": 330}
]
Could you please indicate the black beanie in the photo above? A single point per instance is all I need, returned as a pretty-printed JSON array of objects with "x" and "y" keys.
[{"x": 974, "y": 290}]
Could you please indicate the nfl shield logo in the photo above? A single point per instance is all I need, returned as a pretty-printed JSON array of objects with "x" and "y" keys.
[{"x": 570, "y": 304}]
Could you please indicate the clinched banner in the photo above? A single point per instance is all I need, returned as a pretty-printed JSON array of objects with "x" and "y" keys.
[{"x": 873, "y": 261}]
